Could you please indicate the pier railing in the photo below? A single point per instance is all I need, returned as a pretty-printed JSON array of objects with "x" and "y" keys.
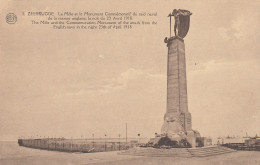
[{"x": 242, "y": 146}]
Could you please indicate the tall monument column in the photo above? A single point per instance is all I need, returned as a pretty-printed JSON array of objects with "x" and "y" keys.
[{"x": 177, "y": 119}]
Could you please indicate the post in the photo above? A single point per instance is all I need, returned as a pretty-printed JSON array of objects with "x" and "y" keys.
[
  {"x": 139, "y": 138},
  {"x": 93, "y": 140},
  {"x": 119, "y": 141},
  {"x": 105, "y": 142},
  {"x": 48, "y": 143},
  {"x": 71, "y": 145},
  {"x": 126, "y": 132}
]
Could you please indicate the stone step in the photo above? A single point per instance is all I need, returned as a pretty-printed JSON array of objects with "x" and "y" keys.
[
  {"x": 209, "y": 150},
  {"x": 202, "y": 152},
  {"x": 216, "y": 151},
  {"x": 178, "y": 152},
  {"x": 161, "y": 154},
  {"x": 168, "y": 155},
  {"x": 210, "y": 154}
]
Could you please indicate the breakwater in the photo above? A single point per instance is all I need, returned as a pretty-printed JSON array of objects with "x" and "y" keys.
[{"x": 76, "y": 145}]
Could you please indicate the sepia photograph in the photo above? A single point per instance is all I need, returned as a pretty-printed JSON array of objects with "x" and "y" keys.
[{"x": 138, "y": 82}]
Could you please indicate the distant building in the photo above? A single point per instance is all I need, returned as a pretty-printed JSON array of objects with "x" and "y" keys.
[{"x": 252, "y": 141}]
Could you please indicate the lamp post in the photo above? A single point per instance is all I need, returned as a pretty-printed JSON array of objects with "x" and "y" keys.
[
  {"x": 139, "y": 137},
  {"x": 105, "y": 142},
  {"x": 119, "y": 141},
  {"x": 71, "y": 144},
  {"x": 93, "y": 140},
  {"x": 48, "y": 142},
  {"x": 126, "y": 132}
]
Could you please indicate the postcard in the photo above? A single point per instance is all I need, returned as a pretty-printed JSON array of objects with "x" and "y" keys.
[{"x": 129, "y": 82}]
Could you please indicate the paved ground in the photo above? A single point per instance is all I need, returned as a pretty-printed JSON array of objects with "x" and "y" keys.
[
  {"x": 12, "y": 154},
  {"x": 236, "y": 158}
]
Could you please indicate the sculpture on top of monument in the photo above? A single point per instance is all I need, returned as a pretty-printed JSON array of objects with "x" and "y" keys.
[{"x": 182, "y": 22}]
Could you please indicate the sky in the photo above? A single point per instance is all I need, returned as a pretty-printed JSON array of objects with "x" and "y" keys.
[{"x": 75, "y": 83}]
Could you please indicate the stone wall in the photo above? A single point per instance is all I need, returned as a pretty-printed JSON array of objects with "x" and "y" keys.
[{"x": 66, "y": 145}]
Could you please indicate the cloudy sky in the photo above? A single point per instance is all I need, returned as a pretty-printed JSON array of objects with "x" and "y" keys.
[{"x": 75, "y": 83}]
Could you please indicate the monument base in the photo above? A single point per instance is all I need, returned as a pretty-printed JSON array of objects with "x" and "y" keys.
[
  {"x": 179, "y": 138},
  {"x": 174, "y": 128}
]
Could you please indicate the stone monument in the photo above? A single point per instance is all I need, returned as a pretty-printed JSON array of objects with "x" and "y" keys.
[{"x": 177, "y": 119}]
